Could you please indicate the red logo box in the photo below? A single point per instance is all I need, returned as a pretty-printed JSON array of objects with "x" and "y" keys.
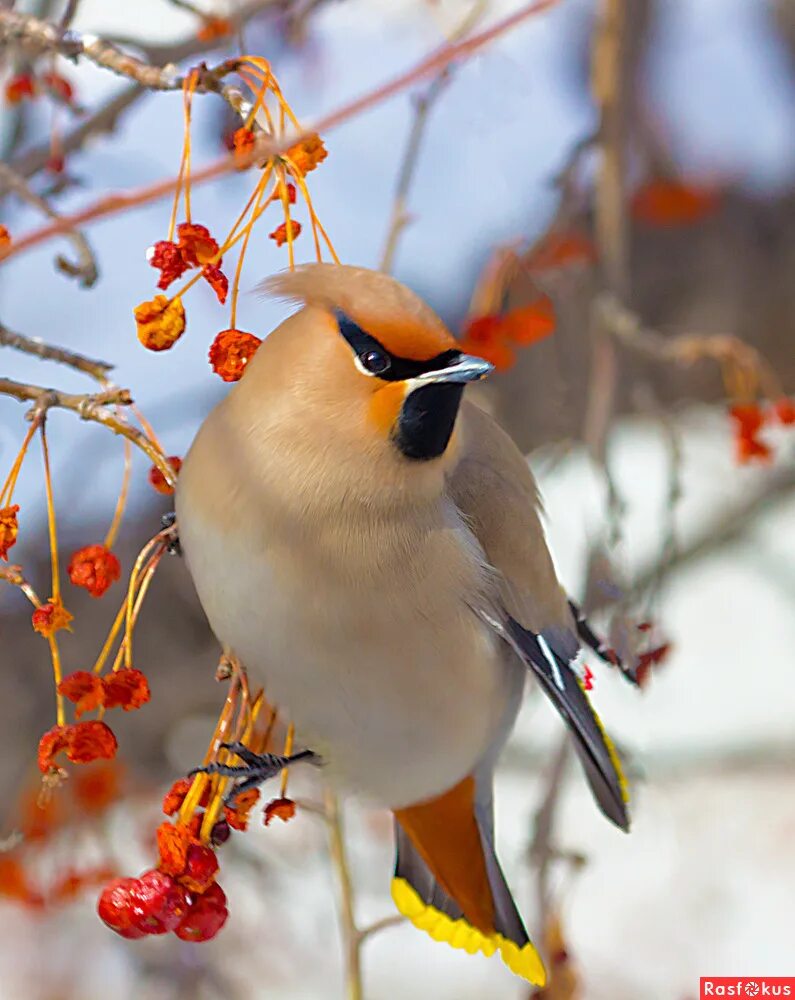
[{"x": 747, "y": 986}]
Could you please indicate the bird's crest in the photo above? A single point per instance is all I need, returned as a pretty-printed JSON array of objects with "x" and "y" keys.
[{"x": 385, "y": 309}]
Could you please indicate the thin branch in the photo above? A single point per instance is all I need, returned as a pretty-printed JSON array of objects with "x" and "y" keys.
[
  {"x": 37, "y": 35},
  {"x": 611, "y": 230},
  {"x": 728, "y": 527},
  {"x": 105, "y": 118},
  {"x": 89, "y": 406},
  {"x": 48, "y": 352},
  {"x": 393, "y": 920},
  {"x": 683, "y": 349},
  {"x": 69, "y": 12},
  {"x": 350, "y": 932},
  {"x": 399, "y": 217},
  {"x": 85, "y": 268},
  {"x": 432, "y": 64},
  {"x": 175, "y": 52},
  {"x": 541, "y": 851}
]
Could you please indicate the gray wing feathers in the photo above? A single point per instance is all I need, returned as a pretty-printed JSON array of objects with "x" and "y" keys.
[{"x": 494, "y": 489}]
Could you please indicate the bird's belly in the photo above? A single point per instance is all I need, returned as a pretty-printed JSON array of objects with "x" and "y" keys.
[{"x": 400, "y": 697}]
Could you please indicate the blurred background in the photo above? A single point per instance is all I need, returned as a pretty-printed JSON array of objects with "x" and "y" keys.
[{"x": 656, "y": 210}]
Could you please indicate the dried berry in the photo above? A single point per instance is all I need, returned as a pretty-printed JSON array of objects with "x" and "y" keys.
[
  {"x": 84, "y": 689},
  {"x": 160, "y": 322},
  {"x": 94, "y": 568},
  {"x": 127, "y": 689},
  {"x": 279, "y": 234},
  {"x": 230, "y": 352},
  {"x": 9, "y": 529}
]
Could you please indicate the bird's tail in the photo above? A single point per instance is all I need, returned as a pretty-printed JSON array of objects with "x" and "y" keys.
[{"x": 449, "y": 883}]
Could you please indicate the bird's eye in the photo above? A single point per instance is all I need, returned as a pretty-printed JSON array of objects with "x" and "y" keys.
[{"x": 374, "y": 362}]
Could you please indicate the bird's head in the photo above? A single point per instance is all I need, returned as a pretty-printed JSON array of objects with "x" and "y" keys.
[{"x": 365, "y": 352}]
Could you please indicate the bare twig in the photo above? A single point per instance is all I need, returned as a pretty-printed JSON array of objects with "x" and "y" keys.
[
  {"x": 48, "y": 352},
  {"x": 89, "y": 406},
  {"x": 399, "y": 217},
  {"x": 432, "y": 64},
  {"x": 241, "y": 14},
  {"x": 541, "y": 851},
  {"x": 728, "y": 527},
  {"x": 611, "y": 233},
  {"x": 36, "y": 35},
  {"x": 68, "y": 15},
  {"x": 85, "y": 267},
  {"x": 351, "y": 937},
  {"x": 684, "y": 349},
  {"x": 105, "y": 118},
  {"x": 380, "y": 925}
]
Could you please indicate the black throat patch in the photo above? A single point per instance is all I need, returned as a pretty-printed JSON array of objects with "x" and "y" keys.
[{"x": 427, "y": 419}]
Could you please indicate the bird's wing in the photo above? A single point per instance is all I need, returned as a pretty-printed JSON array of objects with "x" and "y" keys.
[{"x": 494, "y": 489}]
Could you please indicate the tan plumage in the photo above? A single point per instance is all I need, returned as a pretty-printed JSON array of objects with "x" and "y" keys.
[{"x": 377, "y": 572}]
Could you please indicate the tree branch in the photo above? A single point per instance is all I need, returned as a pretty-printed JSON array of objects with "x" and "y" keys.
[
  {"x": 433, "y": 63},
  {"x": 104, "y": 119},
  {"x": 85, "y": 268},
  {"x": 399, "y": 217},
  {"x": 48, "y": 352},
  {"x": 89, "y": 406}
]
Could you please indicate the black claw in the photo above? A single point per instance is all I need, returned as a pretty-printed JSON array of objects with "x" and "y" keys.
[
  {"x": 256, "y": 768},
  {"x": 168, "y": 521},
  {"x": 242, "y": 751}
]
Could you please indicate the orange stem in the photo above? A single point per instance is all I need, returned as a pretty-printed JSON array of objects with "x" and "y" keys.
[
  {"x": 429, "y": 66},
  {"x": 121, "y": 503},
  {"x": 51, "y": 526}
]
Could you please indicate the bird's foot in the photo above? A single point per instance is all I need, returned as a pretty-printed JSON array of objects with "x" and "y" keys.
[
  {"x": 255, "y": 769},
  {"x": 169, "y": 522}
]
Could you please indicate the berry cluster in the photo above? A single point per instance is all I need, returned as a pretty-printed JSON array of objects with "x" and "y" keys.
[{"x": 156, "y": 903}]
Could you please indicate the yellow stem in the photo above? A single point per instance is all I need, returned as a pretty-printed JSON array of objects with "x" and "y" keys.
[
  {"x": 133, "y": 609},
  {"x": 216, "y": 802},
  {"x": 190, "y": 86},
  {"x": 288, "y": 749},
  {"x": 266, "y": 173},
  {"x": 51, "y": 526},
  {"x": 224, "y": 249},
  {"x": 10, "y": 484},
  {"x": 239, "y": 268},
  {"x": 200, "y": 781},
  {"x": 147, "y": 427},
  {"x": 121, "y": 503},
  {"x": 114, "y": 631},
  {"x": 55, "y": 654}
]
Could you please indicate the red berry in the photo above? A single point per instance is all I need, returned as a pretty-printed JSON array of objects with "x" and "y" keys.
[
  {"x": 206, "y": 916},
  {"x": 159, "y": 904},
  {"x": 200, "y": 868},
  {"x": 220, "y": 833},
  {"x": 785, "y": 410},
  {"x": 116, "y": 908}
]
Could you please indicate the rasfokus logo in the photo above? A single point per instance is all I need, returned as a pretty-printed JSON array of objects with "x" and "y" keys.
[{"x": 752, "y": 986}]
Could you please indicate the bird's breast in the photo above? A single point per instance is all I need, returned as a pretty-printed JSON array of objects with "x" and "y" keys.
[{"x": 379, "y": 660}]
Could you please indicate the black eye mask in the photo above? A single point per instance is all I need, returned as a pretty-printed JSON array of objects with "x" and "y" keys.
[{"x": 399, "y": 369}]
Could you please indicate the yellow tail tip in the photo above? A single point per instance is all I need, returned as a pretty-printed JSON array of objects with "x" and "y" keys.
[{"x": 523, "y": 961}]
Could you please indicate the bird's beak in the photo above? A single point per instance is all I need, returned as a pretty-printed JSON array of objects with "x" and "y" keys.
[{"x": 466, "y": 368}]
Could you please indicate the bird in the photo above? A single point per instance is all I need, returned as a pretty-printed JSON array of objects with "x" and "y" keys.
[{"x": 368, "y": 543}]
